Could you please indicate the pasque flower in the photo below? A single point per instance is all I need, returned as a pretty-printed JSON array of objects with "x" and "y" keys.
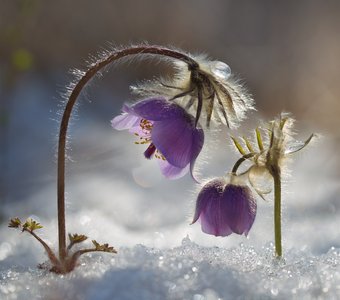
[
  {"x": 171, "y": 133},
  {"x": 225, "y": 207},
  {"x": 167, "y": 129}
]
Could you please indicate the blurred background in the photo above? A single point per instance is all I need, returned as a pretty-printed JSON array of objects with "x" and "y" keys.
[{"x": 287, "y": 53}]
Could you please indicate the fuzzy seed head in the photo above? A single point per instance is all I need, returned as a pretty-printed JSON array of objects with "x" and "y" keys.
[{"x": 208, "y": 88}]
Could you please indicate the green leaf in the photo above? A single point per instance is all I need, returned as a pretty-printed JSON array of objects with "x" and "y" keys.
[
  {"x": 103, "y": 247},
  {"x": 238, "y": 146},
  {"x": 248, "y": 144},
  {"x": 259, "y": 139},
  {"x": 14, "y": 223},
  {"x": 31, "y": 225},
  {"x": 77, "y": 238}
]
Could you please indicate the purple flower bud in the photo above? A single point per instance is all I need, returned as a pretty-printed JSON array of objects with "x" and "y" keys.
[
  {"x": 240, "y": 208},
  {"x": 225, "y": 208},
  {"x": 168, "y": 129}
]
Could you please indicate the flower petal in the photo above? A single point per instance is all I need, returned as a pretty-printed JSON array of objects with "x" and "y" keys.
[
  {"x": 157, "y": 109},
  {"x": 240, "y": 208},
  {"x": 211, "y": 210},
  {"x": 125, "y": 121},
  {"x": 170, "y": 171},
  {"x": 178, "y": 140}
]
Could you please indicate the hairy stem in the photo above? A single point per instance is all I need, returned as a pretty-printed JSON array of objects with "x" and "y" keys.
[
  {"x": 277, "y": 214},
  {"x": 50, "y": 253},
  {"x": 89, "y": 74},
  {"x": 240, "y": 161}
]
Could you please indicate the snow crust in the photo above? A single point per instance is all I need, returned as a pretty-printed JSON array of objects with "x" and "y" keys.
[
  {"x": 146, "y": 219},
  {"x": 189, "y": 271}
]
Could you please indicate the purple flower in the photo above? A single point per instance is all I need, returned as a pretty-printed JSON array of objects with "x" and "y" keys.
[
  {"x": 168, "y": 130},
  {"x": 225, "y": 208}
]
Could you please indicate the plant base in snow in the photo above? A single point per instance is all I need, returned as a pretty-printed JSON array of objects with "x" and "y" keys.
[{"x": 57, "y": 265}]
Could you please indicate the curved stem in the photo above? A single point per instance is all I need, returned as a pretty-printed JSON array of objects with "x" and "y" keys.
[
  {"x": 89, "y": 74},
  {"x": 277, "y": 214},
  {"x": 48, "y": 250},
  {"x": 240, "y": 161}
]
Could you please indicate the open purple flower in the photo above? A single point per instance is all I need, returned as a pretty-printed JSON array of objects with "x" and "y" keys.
[
  {"x": 168, "y": 130},
  {"x": 225, "y": 208}
]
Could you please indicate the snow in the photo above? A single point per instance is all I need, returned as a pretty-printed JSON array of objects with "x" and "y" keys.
[
  {"x": 161, "y": 256},
  {"x": 116, "y": 196},
  {"x": 188, "y": 271}
]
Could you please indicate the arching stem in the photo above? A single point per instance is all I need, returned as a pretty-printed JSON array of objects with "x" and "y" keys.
[
  {"x": 89, "y": 74},
  {"x": 240, "y": 161}
]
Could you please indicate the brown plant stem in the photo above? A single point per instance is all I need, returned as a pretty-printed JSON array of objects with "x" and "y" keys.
[
  {"x": 54, "y": 260},
  {"x": 89, "y": 74},
  {"x": 74, "y": 258}
]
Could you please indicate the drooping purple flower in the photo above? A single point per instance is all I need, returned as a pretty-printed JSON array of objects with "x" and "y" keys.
[
  {"x": 225, "y": 208},
  {"x": 168, "y": 130}
]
